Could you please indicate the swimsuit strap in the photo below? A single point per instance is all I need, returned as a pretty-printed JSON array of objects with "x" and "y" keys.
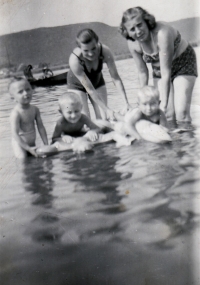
[
  {"x": 82, "y": 62},
  {"x": 101, "y": 52}
]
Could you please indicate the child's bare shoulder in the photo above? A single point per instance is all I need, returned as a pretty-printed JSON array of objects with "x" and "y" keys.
[
  {"x": 15, "y": 111},
  {"x": 34, "y": 108}
]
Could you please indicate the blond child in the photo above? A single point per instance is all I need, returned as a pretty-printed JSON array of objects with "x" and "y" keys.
[
  {"x": 72, "y": 125},
  {"x": 23, "y": 118},
  {"x": 148, "y": 109},
  {"x": 72, "y": 122}
]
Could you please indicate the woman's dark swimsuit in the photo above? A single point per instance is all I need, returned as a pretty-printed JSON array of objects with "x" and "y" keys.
[
  {"x": 184, "y": 64},
  {"x": 95, "y": 76}
]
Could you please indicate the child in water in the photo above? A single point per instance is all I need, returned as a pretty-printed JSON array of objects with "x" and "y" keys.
[
  {"x": 71, "y": 123},
  {"x": 148, "y": 109},
  {"x": 23, "y": 118}
]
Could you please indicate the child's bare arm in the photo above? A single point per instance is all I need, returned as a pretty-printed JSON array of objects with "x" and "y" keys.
[
  {"x": 131, "y": 120},
  {"x": 163, "y": 120},
  {"x": 57, "y": 132},
  {"x": 15, "y": 129},
  {"x": 40, "y": 126},
  {"x": 92, "y": 134},
  {"x": 92, "y": 126}
]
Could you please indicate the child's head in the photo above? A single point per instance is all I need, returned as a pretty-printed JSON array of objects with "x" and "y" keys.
[
  {"x": 21, "y": 90},
  {"x": 148, "y": 100},
  {"x": 70, "y": 107}
]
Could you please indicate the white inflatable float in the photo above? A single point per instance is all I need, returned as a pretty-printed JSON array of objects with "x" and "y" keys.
[
  {"x": 81, "y": 144},
  {"x": 147, "y": 130},
  {"x": 152, "y": 132}
]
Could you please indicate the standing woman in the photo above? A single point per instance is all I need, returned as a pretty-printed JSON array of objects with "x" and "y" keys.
[
  {"x": 173, "y": 60},
  {"x": 85, "y": 75}
]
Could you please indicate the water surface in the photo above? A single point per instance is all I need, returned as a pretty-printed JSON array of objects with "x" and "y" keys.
[{"x": 113, "y": 216}]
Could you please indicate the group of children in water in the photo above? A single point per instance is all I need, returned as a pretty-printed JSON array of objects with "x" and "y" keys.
[{"x": 75, "y": 130}]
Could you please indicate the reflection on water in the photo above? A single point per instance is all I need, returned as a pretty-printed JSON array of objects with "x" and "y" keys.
[{"x": 112, "y": 216}]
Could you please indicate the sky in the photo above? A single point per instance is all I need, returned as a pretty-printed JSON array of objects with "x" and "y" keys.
[{"x": 19, "y": 15}]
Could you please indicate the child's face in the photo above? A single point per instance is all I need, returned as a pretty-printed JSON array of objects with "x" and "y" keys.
[
  {"x": 22, "y": 92},
  {"x": 72, "y": 112},
  {"x": 148, "y": 106}
]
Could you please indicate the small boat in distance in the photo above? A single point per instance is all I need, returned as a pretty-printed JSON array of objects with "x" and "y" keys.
[
  {"x": 53, "y": 80},
  {"x": 59, "y": 79}
]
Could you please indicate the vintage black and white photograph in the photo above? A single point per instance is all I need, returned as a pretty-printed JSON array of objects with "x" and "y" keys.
[{"x": 100, "y": 142}]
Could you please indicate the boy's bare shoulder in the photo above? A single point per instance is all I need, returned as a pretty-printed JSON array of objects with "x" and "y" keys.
[
  {"x": 84, "y": 119},
  {"x": 14, "y": 112},
  {"x": 34, "y": 108}
]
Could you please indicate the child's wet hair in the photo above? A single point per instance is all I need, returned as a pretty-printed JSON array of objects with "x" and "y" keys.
[
  {"x": 13, "y": 80},
  {"x": 69, "y": 98},
  {"x": 149, "y": 91}
]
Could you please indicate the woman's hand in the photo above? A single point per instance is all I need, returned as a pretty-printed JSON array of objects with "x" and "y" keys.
[
  {"x": 126, "y": 109},
  {"x": 92, "y": 135},
  {"x": 33, "y": 151},
  {"x": 67, "y": 139},
  {"x": 110, "y": 114}
]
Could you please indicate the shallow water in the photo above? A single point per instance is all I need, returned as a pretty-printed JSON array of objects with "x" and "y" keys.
[{"x": 113, "y": 216}]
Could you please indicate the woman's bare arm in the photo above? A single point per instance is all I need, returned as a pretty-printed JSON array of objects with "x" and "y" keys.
[
  {"x": 109, "y": 59},
  {"x": 166, "y": 51},
  {"x": 143, "y": 72}
]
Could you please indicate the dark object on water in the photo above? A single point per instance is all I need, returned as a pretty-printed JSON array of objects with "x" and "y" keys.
[
  {"x": 59, "y": 79},
  {"x": 28, "y": 73},
  {"x": 47, "y": 72}
]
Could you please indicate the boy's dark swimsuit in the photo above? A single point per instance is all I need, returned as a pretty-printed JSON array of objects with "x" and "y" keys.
[
  {"x": 95, "y": 76},
  {"x": 157, "y": 122}
]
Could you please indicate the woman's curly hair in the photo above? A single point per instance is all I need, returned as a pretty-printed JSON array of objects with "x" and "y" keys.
[{"x": 131, "y": 13}]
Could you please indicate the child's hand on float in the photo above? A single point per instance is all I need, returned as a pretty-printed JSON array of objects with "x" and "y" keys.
[
  {"x": 67, "y": 139},
  {"x": 92, "y": 135}
]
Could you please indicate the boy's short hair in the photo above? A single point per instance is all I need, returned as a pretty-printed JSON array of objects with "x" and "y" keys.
[
  {"x": 85, "y": 36},
  {"x": 13, "y": 80},
  {"x": 67, "y": 98},
  {"x": 149, "y": 91}
]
